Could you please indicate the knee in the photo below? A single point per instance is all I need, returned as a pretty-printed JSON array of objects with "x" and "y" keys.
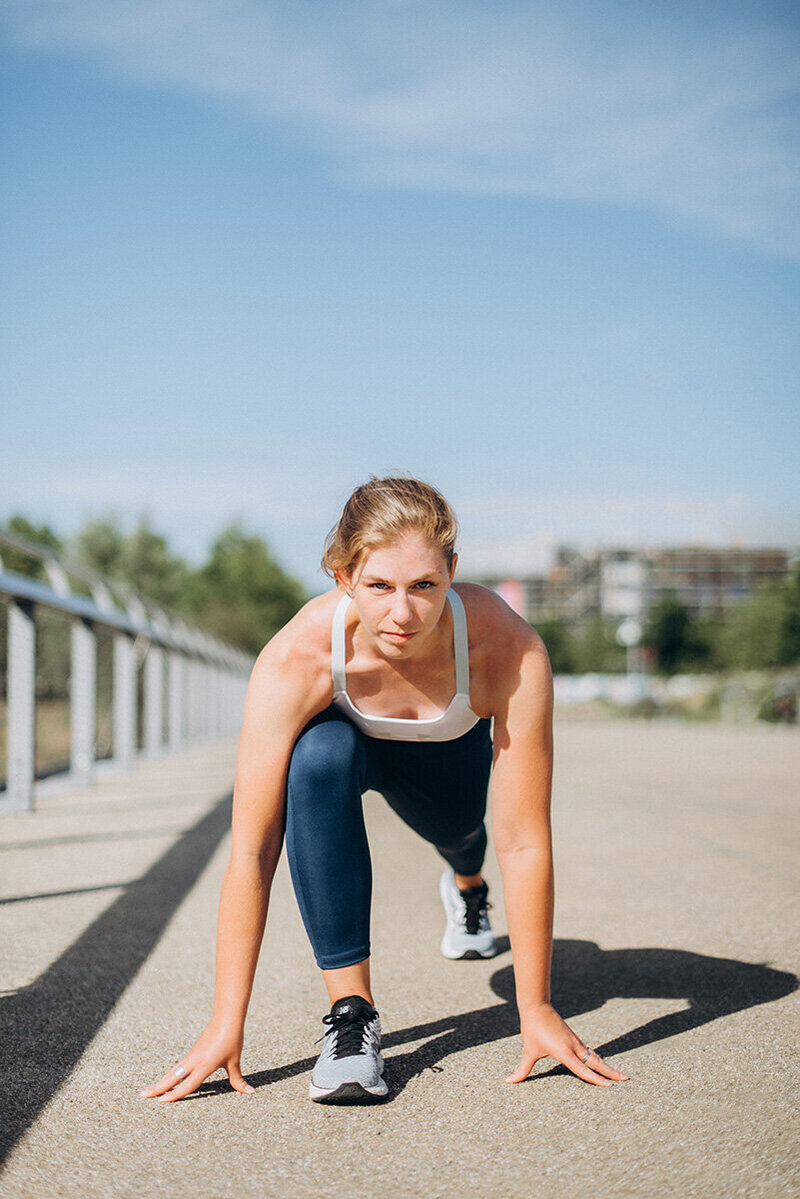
[{"x": 324, "y": 753}]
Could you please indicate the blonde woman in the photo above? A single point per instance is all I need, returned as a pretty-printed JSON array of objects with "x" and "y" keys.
[{"x": 400, "y": 681}]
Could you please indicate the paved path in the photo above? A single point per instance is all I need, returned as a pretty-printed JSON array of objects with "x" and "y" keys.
[{"x": 676, "y": 954}]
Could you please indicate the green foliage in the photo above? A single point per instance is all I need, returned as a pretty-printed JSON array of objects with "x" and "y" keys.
[
  {"x": 19, "y": 563},
  {"x": 240, "y": 595},
  {"x": 99, "y": 545},
  {"x": 789, "y": 635},
  {"x": 596, "y": 649},
  {"x": 752, "y": 635},
  {"x": 141, "y": 559},
  {"x": 243, "y": 595},
  {"x": 678, "y": 641},
  {"x": 558, "y": 642}
]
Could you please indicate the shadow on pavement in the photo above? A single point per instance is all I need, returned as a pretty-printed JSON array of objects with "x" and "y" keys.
[
  {"x": 46, "y": 1027},
  {"x": 584, "y": 978}
]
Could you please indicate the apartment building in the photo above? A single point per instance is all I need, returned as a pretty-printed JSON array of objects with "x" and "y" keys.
[{"x": 628, "y": 583}]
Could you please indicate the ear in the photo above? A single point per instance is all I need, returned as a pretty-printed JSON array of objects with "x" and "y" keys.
[
  {"x": 453, "y": 567},
  {"x": 344, "y": 580}
]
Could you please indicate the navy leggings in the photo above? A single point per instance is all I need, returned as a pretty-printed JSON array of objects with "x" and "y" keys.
[{"x": 437, "y": 787}]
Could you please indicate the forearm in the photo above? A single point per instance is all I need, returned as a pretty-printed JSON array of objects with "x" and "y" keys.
[
  {"x": 528, "y": 888},
  {"x": 244, "y": 900}
]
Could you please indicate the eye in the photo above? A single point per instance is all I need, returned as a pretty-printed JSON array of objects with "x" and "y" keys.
[
  {"x": 425, "y": 585},
  {"x": 378, "y": 586}
]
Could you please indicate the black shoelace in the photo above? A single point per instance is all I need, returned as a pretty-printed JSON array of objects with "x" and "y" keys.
[
  {"x": 476, "y": 904},
  {"x": 349, "y": 1028}
]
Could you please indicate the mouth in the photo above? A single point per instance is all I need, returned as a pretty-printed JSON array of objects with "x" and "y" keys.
[{"x": 399, "y": 636}]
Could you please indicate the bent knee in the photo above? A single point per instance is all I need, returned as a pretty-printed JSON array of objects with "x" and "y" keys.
[{"x": 324, "y": 751}]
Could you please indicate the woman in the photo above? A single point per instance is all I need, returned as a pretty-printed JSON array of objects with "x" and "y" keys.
[{"x": 390, "y": 681}]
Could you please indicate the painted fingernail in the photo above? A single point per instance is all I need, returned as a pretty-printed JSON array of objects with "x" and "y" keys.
[
  {"x": 143, "y": 1094},
  {"x": 250, "y": 1090}
]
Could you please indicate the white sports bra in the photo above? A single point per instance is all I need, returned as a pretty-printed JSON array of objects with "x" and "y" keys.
[{"x": 457, "y": 718}]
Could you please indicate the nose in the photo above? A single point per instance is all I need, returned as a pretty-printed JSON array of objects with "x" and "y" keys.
[{"x": 401, "y": 609}]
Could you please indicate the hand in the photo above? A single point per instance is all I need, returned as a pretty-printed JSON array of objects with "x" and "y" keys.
[
  {"x": 545, "y": 1034},
  {"x": 215, "y": 1048}
]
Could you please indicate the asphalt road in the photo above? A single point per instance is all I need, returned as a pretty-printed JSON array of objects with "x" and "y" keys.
[{"x": 676, "y": 955}]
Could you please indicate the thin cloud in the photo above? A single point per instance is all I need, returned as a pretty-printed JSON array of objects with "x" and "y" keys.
[
  {"x": 585, "y": 521},
  {"x": 633, "y": 107}
]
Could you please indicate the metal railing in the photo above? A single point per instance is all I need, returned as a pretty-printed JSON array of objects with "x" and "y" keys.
[{"x": 193, "y": 685}]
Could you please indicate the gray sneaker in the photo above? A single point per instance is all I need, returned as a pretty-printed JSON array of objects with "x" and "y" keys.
[
  {"x": 350, "y": 1067},
  {"x": 468, "y": 933}
]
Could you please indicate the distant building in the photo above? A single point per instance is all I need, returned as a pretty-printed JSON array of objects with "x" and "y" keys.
[{"x": 628, "y": 583}]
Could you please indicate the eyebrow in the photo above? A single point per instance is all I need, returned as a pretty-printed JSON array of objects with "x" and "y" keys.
[{"x": 422, "y": 578}]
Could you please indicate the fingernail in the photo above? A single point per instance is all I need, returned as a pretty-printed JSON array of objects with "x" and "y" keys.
[
  {"x": 143, "y": 1094},
  {"x": 250, "y": 1090}
]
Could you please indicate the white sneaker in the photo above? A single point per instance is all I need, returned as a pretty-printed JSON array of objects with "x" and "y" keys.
[
  {"x": 468, "y": 933},
  {"x": 350, "y": 1067}
]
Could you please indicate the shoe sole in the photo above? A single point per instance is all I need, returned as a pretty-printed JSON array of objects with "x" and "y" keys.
[
  {"x": 348, "y": 1092},
  {"x": 469, "y": 955}
]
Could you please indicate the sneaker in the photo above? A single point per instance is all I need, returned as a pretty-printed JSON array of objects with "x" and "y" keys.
[
  {"x": 468, "y": 933},
  {"x": 350, "y": 1067}
]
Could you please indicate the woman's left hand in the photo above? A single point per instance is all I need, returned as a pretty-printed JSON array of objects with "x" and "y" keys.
[{"x": 545, "y": 1034}]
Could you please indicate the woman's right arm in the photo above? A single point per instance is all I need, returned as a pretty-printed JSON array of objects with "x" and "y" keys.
[{"x": 282, "y": 695}]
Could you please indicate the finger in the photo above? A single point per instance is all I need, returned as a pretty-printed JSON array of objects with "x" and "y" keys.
[
  {"x": 237, "y": 1081},
  {"x": 167, "y": 1082},
  {"x": 186, "y": 1085},
  {"x": 526, "y": 1063},
  {"x": 602, "y": 1067},
  {"x": 583, "y": 1070}
]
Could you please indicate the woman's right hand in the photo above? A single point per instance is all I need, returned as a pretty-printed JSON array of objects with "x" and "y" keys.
[{"x": 216, "y": 1048}]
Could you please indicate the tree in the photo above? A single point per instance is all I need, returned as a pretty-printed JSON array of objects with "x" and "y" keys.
[
  {"x": 148, "y": 566},
  {"x": 17, "y": 561},
  {"x": 751, "y": 639},
  {"x": 99, "y": 545},
  {"x": 596, "y": 650},
  {"x": 671, "y": 634},
  {"x": 557, "y": 640},
  {"x": 243, "y": 594},
  {"x": 789, "y": 634}
]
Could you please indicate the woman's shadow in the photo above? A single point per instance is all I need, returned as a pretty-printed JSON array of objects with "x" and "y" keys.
[{"x": 584, "y": 977}]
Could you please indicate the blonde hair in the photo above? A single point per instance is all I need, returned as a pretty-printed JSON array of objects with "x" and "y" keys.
[{"x": 380, "y": 511}]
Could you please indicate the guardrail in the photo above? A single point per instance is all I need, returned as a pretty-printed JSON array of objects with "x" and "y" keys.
[{"x": 193, "y": 684}]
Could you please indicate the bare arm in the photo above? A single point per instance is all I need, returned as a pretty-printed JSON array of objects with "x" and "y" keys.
[
  {"x": 282, "y": 695},
  {"x": 521, "y": 788}
]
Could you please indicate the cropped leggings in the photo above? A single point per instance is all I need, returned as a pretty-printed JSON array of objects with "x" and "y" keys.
[{"x": 438, "y": 788}]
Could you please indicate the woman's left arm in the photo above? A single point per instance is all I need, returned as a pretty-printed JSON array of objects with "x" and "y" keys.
[{"x": 521, "y": 785}]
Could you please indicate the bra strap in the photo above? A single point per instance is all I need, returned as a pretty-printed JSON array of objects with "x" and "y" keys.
[
  {"x": 338, "y": 665},
  {"x": 460, "y": 642}
]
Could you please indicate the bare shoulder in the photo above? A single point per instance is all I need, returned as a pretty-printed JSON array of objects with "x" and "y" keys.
[
  {"x": 295, "y": 663},
  {"x": 507, "y": 655}
]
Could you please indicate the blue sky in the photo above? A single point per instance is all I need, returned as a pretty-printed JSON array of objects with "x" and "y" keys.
[{"x": 546, "y": 256}]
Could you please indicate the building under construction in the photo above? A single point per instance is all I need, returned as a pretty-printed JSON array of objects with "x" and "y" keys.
[{"x": 619, "y": 584}]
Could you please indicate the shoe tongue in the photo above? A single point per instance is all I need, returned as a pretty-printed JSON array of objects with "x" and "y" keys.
[
  {"x": 352, "y": 1005},
  {"x": 481, "y": 889}
]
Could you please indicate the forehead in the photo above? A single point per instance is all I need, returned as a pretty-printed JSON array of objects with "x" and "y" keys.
[{"x": 409, "y": 555}]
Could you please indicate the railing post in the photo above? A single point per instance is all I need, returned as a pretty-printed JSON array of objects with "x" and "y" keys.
[
  {"x": 153, "y": 701},
  {"x": 211, "y": 701},
  {"x": 21, "y": 720},
  {"x": 124, "y": 701},
  {"x": 196, "y": 701},
  {"x": 176, "y": 700},
  {"x": 82, "y": 700}
]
